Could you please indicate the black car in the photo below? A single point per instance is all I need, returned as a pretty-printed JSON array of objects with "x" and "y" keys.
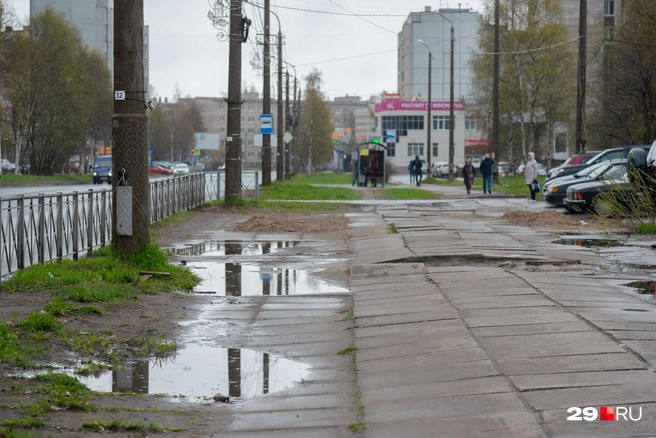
[
  {"x": 556, "y": 191},
  {"x": 581, "y": 197},
  {"x": 608, "y": 154}
]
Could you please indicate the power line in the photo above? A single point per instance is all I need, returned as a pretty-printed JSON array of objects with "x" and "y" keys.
[
  {"x": 361, "y": 18},
  {"x": 350, "y": 14},
  {"x": 348, "y": 57}
]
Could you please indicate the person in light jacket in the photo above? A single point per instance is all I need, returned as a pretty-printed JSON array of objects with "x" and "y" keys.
[
  {"x": 468, "y": 173},
  {"x": 531, "y": 173}
]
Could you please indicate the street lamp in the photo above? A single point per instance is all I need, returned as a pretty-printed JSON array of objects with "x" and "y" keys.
[
  {"x": 451, "y": 113},
  {"x": 429, "y": 125}
]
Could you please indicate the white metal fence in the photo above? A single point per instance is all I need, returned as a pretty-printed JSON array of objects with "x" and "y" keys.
[{"x": 38, "y": 228}]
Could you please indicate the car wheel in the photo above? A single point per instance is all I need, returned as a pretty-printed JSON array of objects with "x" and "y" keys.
[{"x": 603, "y": 208}]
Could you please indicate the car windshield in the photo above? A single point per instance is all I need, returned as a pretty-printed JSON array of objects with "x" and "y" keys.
[
  {"x": 588, "y": 170},
  {"x": 615, "y": 172},
  {"x": 103, "y": 162},
  {"x": 604, "y": 168}
]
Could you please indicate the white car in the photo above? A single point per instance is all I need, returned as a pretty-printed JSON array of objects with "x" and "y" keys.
[
  {"x": 7, "y": 165},
  {"x": 542, "y": 170},
  {"x": 180, "y": 169}
]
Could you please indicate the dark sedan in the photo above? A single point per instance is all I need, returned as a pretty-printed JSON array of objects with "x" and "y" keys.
[
  {"x": 580, "y": 198},
  {"x": 555, "y": 192}
]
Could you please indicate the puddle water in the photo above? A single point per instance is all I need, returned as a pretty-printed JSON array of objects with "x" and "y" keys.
[
  {"x": 644, "y": 287},
  {"x": 236, "y": 279},
  {"x": 588, "y": 243},
  {"x": 197, "y": 373},
  {"x": 226, "y": 248}
]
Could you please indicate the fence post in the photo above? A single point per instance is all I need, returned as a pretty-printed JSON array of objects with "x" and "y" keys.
[
  {"x": 3, "y": 244},
  {"x": 90, "y": 222},
  {"x": 76, "y": 225},
  {"x": 103, "y": 216},
  {"x": 20, "y": 252},
  {"x": 59, "y": 236},
  {"x": 257, "y": 186},
  {"x": 41, "y": 238},
  {"x": 218, "y": 185}
]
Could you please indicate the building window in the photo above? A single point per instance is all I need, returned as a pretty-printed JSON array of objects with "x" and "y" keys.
[
  {"x": 251, "y": 131},
  {"x": 470, "y": 123},
  {"x": 222, "y": 118},
  {"x": 250, "y": 143},
  {"x": 222, "y": 130},
  {"x": 260, "y": 108},
  {"x": 401, "y": 124},
  {"x": 251, "y": 155},
  {"x": 338, "y": 110},
  {"x": 251, "y": 107},
  {"x": 609, "y": 33},
  {"x": 441, "y": 123},
  {"x": 222, "y": 107},
  {"x": 391, "y": 149},
  {"x": 242, "y": 131},
  {"x": 251, "y": 120},
  {"x": 434, "y": 150},
  {"x": 609, "y": 8},
  {"x": 415, "y": 149}
]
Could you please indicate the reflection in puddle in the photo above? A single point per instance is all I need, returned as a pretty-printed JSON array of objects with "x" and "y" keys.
[
  {"x": 588, "y": 243},
  {"x": 200, "y": 372},
  {"x": 236, "y": 279},
  {"x": 644, "y": 287},
  {"x": 220, "y": 248}
]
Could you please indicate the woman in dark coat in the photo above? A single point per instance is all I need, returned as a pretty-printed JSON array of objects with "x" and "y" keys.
[{"x": 468, "y": 173}]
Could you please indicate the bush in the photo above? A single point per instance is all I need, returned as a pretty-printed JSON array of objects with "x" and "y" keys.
[
  {"x": 389, "y": 170},
  {"x": 631, "y": 204}
]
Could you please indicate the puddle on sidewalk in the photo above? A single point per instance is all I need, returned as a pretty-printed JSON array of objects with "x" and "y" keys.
[
  {"x": 237, "y": 279},
  {"x": 198, "y": 372},
  {"x": 227, "y": 248},
  {"x": 588, "y": 243},
  {"x": 643, "y": 287}
]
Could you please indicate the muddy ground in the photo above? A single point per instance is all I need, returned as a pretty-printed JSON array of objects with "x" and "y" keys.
[{"x": 159, "y": 314}]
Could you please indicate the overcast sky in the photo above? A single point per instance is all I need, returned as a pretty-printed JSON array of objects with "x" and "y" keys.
[{"x": 357, "y": 54}]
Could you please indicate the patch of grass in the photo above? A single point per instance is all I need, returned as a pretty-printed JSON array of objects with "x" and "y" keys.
[
  {"x": 357, "y": 427},
  {"x": 40, "y": 322},
  {"x": 89, "y": 310},
  {"x": 509, "y": 185},
  {"x": 122, "y": 426},
  {"x": 348, "y": 350},
  {"x": 91, "y": 344},
  {"x": 406, "y": 193},
  {"x": 92, "y": 368},
  {"x": 28, "y": 422},
  {"x": 321, "y": 178},
  {"x": 9, "y": 433},
  {"x": 352, "y": 326},
  {"x": 10, "y": 179},
  {"x": 155, "y": 345},
  {"x": 58, "y": 307},
  {"x": 60, "y": 390},
  {"x": 285, "y": 190},
  {"x": 15, "y": 351},
  {"x": 348, "y": 316},
  {"x": 297, "y": 206},
  {"x": 646, "y": 228},
  {"x": 392, "y": 228}
]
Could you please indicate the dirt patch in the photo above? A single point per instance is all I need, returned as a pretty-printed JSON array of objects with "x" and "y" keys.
[
  {"x": 286, "y": 223},
  {"x": 548, "y": 219}
]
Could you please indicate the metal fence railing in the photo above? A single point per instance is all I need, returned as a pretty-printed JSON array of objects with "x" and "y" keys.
[{"x": 38, "y": 228}]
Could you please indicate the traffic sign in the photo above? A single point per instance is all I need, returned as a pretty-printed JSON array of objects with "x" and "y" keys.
[
  {"x": 266, "y": 123},
  {"x": 390, "y": 136},
  {"x": 287, "y": 137}
]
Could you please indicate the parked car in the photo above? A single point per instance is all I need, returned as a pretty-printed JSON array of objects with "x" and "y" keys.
[
  {"x": 158, "y": 170},
  {"x": 164, "y": 164},
  {"x": 520, "y": 169},
  {"x": 581, "y": 197},
  {"x": 542, "y": 170},
  {"x": 7, "y": 166},
  {"x": 102, "y": 169},
  {"x": 504, "y": 168},
  {"x": 639, "y": 159},
  {"x": 555, "y": 192},
  {"x": 608, "y": 154},
  {"x": 574, "y": 160},
  {"x": 180, "y": 169},
  {"x": 441, "y": 169}
]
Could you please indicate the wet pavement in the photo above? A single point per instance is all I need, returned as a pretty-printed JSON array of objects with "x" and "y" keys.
[{"x": 449, "y": 327}]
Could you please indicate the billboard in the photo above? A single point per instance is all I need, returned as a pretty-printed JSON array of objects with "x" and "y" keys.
[
  {"x": 341, "y": 135},
  {"x": 207, "y": 141}
]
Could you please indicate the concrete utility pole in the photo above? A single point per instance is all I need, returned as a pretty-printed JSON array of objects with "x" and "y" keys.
[
  {"x": 580, "y": 83},
  {"x": 280, "y": 156},
  {"x": 429, "y": 121},
  {"x": 495, "y": 95},
  {"x": 287, "y": 126},
  {"x": 266, "y": 97},
  {"x": 233, "y": 139},
  {"x": 130, "y": 197}
]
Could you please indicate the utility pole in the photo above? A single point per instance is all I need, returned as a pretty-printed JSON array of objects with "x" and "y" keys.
[
  {"x": 233, "y": 139},
  {"x": 280, "y": 156},
  {"x": 130, "y": 197},
  {"x": 429, "y": 120},
  {"x": 266, "y": 98},
  {"x": 296, "y": 111},
  {"x": 580, "y": 83},
  {"x": 495, "y": 94},
  {"x": 287, "y": 125}
]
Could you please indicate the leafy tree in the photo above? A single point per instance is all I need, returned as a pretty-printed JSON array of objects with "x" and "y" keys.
[
  {"x": 172, "y": 127},
  {"x": 315, "y": 144},
  {"x": 624, "y": 101},
  {"x": 536, "y": 74}
]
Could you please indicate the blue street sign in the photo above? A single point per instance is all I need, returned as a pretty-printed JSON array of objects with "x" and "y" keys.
[{"x": 266, "y": 124}]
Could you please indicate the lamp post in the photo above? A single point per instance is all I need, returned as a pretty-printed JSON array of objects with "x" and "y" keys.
[
  {"x": 429, "y": 124},
  {"x": 451, "y": 112}
]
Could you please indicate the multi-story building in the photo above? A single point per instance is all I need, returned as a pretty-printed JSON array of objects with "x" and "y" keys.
[
  {"x": 214, "y": 111},
  {"x": 354, "y": 114},
  {"x": 95, "y": 22}
]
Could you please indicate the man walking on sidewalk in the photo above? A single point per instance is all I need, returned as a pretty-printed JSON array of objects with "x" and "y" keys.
[{"x": 486, "y": 167}]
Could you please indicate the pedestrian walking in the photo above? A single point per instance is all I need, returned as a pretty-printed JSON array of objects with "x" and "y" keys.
[
  {"x": 486, "y": 168},
  {"x": 531, "y": 175},
  {"x": 468, "y": 173},
  {"x": 416, "y": 164},
  {"x": 411, "y": 170},
  {"x": 356, "y": 174}
]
